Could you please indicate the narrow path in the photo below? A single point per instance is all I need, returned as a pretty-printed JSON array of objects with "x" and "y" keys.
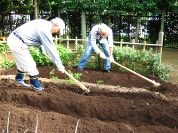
[{"x": 169, "y": 57}]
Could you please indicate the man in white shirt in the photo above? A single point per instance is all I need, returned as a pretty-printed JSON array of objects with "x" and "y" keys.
[{"x": 34, "y": 33}]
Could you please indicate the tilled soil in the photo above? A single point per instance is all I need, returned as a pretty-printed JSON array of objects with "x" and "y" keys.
[{"x": 123, "y": 103}]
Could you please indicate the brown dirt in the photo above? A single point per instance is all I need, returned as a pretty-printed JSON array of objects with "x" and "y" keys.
[{"x": 125, "y": 103}]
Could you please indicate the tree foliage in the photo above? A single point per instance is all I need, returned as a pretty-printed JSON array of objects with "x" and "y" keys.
[
  {"x": 110, "y": 7},
  {"x": 18, "y": 6}
]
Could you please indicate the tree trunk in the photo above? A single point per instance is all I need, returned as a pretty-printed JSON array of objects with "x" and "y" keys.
[
  {"x": 83, "y": 25},
  {"x": 137, "y": 29},
  {"x": 36, "y": 10}
]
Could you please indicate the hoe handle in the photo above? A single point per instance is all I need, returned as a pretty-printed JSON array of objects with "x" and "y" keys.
[
  {"x": 76, "y": 81},
  {"x": 149, "y": 80}
]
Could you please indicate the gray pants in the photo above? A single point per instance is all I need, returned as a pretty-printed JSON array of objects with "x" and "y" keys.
[{"x": 22, "y": 56}]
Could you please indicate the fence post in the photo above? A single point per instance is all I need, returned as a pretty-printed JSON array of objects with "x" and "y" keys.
[
  {"x": 133, "y": 45},
  {"x": 76, "y": 44},
  {"x": 67, "y": 41},
  {"x": 1, "y": 32},
  {"x": 160, "y": 41},
  {"x": 144, "y": 45},
  {"x": 56, "y": 39},
  {"x": 4, "y": 39},
  {"x": 121, "y": 43},
  {"x": 60, "y": 39},
  {"x": 157, "y": 47}
]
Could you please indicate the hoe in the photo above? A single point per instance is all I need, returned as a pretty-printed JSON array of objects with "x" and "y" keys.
[
  {"x": 149, "y": 80},
  {"x": 75, "y": 81}
]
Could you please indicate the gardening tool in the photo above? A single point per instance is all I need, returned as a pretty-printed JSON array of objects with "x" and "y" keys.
[
  {"x": 76, "y": 81},
  {"x": 149, "y": 80}
]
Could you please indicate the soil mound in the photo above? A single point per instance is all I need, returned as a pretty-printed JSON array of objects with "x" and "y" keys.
[{"x": 122, "y": 103}]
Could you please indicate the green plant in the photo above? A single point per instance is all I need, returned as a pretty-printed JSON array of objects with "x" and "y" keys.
[
  {"x": 69, "y": 82},
  {"x": 52, "y": 75},
  {"x": 7, "y": 64},
  {"x": 4, "y": 63},
  {"x": 3, "y": 48},
  {"x": 67, "y": 56},
  {"x": 80, "y": 48},
  {"x": 100, "y": 82},
  {"x": 94, "y": 62},
  {"x": 77, "y": 76},
  {"x": 141, "y": 61},
  {"x": 162, "y": 71},
  {"x": 118, "y": 86},
  {"x": 40, "y": 59}
]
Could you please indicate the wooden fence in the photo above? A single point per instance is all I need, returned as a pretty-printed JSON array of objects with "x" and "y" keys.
[
  {"x": 66, "y": 41},
  {"x": 73, "y": 43}
]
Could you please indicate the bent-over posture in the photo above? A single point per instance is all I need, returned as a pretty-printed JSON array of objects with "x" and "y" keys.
[
  {"x": 100, "y": 34},
  {"x": 34, "y": 33}
]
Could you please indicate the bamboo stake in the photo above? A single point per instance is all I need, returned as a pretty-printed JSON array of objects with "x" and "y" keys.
[
  {"x": 76, "y": 126},
  {"x": 8, "y": 122},
  {"x": 36, "y": 128}
]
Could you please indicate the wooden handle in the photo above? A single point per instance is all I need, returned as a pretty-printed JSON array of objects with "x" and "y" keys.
[
  {"x": 149, "y": 80},
  {"x": 76, "y": 81}
]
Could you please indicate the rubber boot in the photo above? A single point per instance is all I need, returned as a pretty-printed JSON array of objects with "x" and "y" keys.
[
  {"x": 19, "y": 78},
  {"x": 35, "y": 83}
]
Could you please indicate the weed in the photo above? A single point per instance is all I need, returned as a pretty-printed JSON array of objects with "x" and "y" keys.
[
  {"x": 52, "y": 75},
  {"x": 118, "y": 86},
  {"x": 100, "y": 82},
  {"x": 77, "y": 76}
]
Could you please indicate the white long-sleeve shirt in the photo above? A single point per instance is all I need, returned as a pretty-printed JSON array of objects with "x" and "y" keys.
[
  {"x": 39, "y": 32},
  {"x": 95, "y": 35}
]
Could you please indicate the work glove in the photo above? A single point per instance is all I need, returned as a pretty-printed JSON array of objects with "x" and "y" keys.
[
  {"x": 102, "y": 55},
  {"x": 62, "y": 69},
  {"x": 111, "y": 59},
  {"x": 42, "y": 50}
]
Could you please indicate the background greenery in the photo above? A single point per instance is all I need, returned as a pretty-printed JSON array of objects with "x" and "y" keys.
[
  {"x": 141, "y": 61},
  {"x": 155, "y": 15}
]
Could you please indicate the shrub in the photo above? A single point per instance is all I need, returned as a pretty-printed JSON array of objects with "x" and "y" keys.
[{"x": 141, "y": 61}]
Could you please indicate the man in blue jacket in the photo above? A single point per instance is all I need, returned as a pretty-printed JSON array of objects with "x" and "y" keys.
[
  {"x": 34, "y": 33},
  {"x": 100, "y": 34}
]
